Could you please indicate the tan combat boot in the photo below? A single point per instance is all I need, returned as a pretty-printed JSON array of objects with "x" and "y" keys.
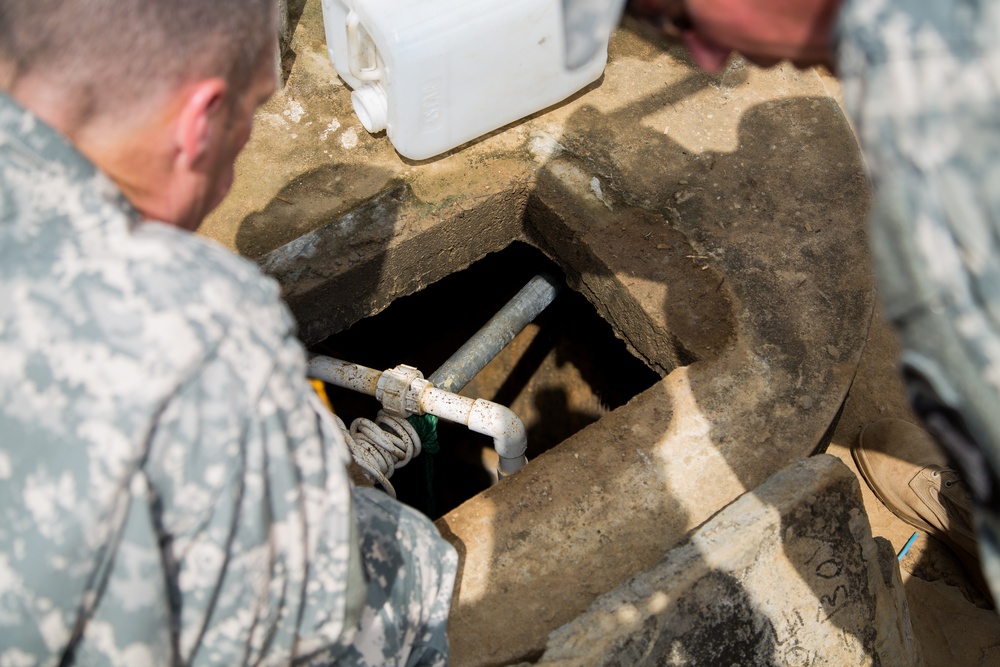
[{"x": 910, "y": 475}]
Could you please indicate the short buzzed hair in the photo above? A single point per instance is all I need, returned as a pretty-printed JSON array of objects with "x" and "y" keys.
[{"x": 110, "y": 55}]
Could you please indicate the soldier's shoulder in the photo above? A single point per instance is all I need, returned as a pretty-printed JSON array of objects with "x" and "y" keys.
[{"x": 175, "y": 268}]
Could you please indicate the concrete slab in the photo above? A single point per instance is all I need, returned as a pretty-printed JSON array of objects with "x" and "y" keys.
[
  {"x": 715, "y": 222},
  {"x": 788, "y": 574}
]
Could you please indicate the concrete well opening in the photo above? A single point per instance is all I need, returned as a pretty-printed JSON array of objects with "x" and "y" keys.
[
  {"x": 752, "y": 341},
  {"x": 682, "y": 209},
  {"x": 563, "y": 372}
]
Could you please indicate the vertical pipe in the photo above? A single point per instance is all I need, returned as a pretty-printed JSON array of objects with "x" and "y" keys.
[{"x": 496, "y": 334}]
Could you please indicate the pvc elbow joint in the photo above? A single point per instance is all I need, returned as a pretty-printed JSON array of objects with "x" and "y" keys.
[{"x": 507, "y": 430}]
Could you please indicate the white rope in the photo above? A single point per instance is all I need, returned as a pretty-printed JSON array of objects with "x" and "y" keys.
[{"x": 381, "y": 446}]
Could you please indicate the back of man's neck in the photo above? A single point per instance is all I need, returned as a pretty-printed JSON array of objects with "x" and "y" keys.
[{"x": 125, "y": 151}]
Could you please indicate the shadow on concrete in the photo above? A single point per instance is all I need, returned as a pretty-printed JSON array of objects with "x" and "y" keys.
[
  {"x": 324, "y": 246},
  {"x": 295, "y": 9},
  {"x": 788, "y": 574},
  {"x": 327, "y": 195},
  {"x": 729, "y": 630},
  {"x": 740, "y": 275},
  {"x": 290, "y": 13}
]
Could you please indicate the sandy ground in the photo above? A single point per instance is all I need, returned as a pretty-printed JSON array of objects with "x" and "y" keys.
[{"x": 945, "y": 606}]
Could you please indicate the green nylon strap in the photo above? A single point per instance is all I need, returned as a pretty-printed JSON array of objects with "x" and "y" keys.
[{"x": 426, "y": 428}]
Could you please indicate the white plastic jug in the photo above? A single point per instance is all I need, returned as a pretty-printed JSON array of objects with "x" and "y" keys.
[{"x": 435, "y": 74}]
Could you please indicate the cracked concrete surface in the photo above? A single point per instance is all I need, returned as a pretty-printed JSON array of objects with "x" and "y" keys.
[{"x": 788, "y": 574}]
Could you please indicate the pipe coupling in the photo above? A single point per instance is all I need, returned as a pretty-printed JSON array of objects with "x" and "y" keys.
[{"x": 393, "y": 390}]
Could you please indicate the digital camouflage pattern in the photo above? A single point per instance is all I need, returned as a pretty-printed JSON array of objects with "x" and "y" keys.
[
  {"x": 172, "y": 493},
  {"x": 922, "y": 85}
]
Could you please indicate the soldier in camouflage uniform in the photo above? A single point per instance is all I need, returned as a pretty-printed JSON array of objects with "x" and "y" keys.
[
  {"x": 921, "y": 81},
  {"x": 922, "y": 84},
  {"x": 172, "y": 492}
]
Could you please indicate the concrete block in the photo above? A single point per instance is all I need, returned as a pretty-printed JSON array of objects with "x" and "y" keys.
[{"x": 788, "y": 574}]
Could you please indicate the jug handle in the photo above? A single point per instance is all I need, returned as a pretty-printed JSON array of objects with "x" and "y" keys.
[{"x": 354, "y": 52}]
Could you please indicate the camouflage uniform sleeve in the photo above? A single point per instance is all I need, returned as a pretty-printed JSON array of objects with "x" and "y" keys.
[
  {"x": 174, "y": 493},
  {"x": 411, "y": 575},
  {"x": 271, "y": 555},
  {"x": 921, "y": 82},
  {"x": 240, "y": 530}
]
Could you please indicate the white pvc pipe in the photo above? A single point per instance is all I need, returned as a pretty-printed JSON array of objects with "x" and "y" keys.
[
  {"x": 486, "y": 417},
  {"x": 342, "y": 374}
]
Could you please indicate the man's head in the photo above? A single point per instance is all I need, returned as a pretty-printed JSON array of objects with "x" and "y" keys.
[
  {"x": 158, "y": 93},
  {"x": 764, "y": 31}
]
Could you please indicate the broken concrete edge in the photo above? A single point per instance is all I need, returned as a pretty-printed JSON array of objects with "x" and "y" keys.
[
  {"x": 575, "y": 234},
  {"x": 374, "y": 252},
  {"x": 789, "y": 570},
  {"x": 396, "y": 263},
  {"x": 317, "y": 269},
  {"x": 897, "y": 602}
]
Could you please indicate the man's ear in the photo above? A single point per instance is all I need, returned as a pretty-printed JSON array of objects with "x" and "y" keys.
[{"x": 198, "y": 122}]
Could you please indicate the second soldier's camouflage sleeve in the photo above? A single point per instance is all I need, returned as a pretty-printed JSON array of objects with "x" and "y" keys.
[
  {"x": 921, "y": 82},
  {"x": 239, "y": 546},
  {"x": 173, "y": 494},
  {"x": 411, "y": 573}
]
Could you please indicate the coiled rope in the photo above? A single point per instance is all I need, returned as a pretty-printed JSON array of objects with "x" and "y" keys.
[{"x": 382, "y": 445}]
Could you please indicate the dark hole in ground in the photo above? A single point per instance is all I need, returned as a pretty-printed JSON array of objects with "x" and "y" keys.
[{"x": 564, "y": 371}]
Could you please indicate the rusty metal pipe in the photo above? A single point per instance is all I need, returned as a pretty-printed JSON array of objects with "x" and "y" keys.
[{"x": 496, "y": 334}]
